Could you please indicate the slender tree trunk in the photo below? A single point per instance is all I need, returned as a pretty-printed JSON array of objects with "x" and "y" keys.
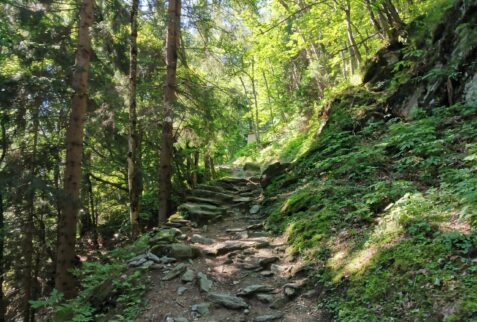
[
  {"x": 2, "y": 265},
  {"x": 207, "y": 172},
  {"x": 165, "y": 163},
  {"x": 269, "y": 96},
  {"x": 196, "y": 168},
  {"x": 65, "y": 282},
  {"x": 29, "y": 225},
  {"x": 255, "y": 102},
  {"x": 374, "y": 20},
  {"x": 354, "y": 50},
  {"x": 253, "y": 120},
  {"x": 133, "y": 171}
]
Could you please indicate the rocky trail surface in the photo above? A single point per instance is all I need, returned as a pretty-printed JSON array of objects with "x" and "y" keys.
[{"x": 219, "y": 264}]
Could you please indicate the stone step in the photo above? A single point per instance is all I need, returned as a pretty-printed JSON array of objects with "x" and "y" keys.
[
  {"x": 201, "y": 213},
  {"x": 200, "y": 200},
  {"x": 223, "y": 197}
]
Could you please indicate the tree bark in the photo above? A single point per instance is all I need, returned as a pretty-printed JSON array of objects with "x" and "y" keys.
[
  {"x": 165, "y": 162},
  {"x": 65, "y": 281},
  {"x": 354, "y": 50},
  {"x": 133, "y": 143},
  {"x": 29, "y": 225}
]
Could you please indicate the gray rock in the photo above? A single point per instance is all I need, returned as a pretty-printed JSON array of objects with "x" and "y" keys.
[
  {"x": 292, "y": 289},
  {"x": 232, "y": 245},
  {"x": 269, "y": 317},
  {"x": 266, "y": 273},
  {"x": 180, "y": 320},
  {"x": 228, "y": 301},
  {"x": 166, "y": 260},
  {"x": 252, "y": 167},
  {"x": 255, "y": 209},
  {"x": 176, "y": 250},
  {"x": 267, "y": 261},
  {"x": 253, "y": 289},
  {"x": 138, "y": 262},
  {"x": 165, "y": 236},
  {"x": 196, "y": 238},
  {"x": 175, "y": 272},
  {"x": 278, "y": 303},
  {"x": 181, "y": 290},
  {"x": 202, "y": 308},
  {"x": 147, "y": 264},
  {"x": 265, "y": 298},
  {"x": 204, "y": 283},
  {"x": 188, "y": 276}
]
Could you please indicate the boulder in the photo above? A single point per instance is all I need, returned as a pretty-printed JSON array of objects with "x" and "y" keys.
[
  {"x": 251, "y": 167},
  {"x": 176, "y": 250},
  {"x": 201, "y": 213},
  {"x": 188, "y": 276},
  {"x": 198, "y": 239},
  {"x": 272, "y": 172}
]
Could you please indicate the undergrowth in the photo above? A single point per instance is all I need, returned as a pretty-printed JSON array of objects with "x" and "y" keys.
[
  {"x": 388, "y": 209},
  {"x": 110, "y": 291}
]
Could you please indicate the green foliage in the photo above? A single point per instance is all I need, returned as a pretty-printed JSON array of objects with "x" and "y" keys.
[{"x": 109, "y": 290}]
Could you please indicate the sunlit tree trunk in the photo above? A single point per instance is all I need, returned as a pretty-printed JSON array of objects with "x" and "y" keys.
[
  {"x": 165, "y": 162},
  {"x": 354, "y": 50},
  {"x": 65, "y": 281},
  {"x": 133, "y": 143}
]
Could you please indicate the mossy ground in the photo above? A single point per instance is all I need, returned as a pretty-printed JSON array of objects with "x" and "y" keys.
[{"x": 387, "y": 209}]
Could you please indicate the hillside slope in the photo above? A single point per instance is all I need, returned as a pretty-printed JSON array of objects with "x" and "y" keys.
[{"x": 384, "y": 203}]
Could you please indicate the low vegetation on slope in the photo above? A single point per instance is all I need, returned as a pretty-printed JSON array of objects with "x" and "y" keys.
[{"x": 384, "y": 202}]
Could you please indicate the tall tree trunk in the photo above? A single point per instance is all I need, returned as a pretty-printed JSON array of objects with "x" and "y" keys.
[
  {"x": 133, "y": 143},
  {"x": 196, "y": 168},
  {"x": 29, "y": 225},
  {"x": 165, "y": 163},
  {"x": 374, "y": 20},
  {"x": 2, "y": 266},
  {"x": 354, "y": 50},
  {"x": 269, "y": 97},
  {"x": 207, "y": 171},
  {"x": 253, "y": 120},
  {"x": 65, "y": 281},
  {"x": 255, "y": 102}
]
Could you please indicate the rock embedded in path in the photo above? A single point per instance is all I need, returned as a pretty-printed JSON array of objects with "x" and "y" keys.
[
  {"x": 232, "y": 245},
  {"x": 266, "y": 273},
  {"x": 198, "y": 239},
  {"x": 202, "y": 308},
  {"x": 175, "y": 272},
  {"x": 181, "y": 290},
  {"x": 205, "y": 284},
  {"x": 269, "y": 317},
  {"x": 291, "y": 290},
  {"x": 176, "y": 250},
  {"x": 267, "y": 261},
  {"x": 265, "y": 298},
  {"x": 253, "y": 289},
  {"x": 228, "y": 301},
  {"x": 188, "y": 276},
  {"x": 255, "y": 209}
]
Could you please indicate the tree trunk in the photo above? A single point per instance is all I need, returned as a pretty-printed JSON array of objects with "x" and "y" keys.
[
  {"x": 374, "y": 20},
  {"x": 2, "y": 266},
  {"x": 65, "y": 281},
  {"x": 207, "y": 172},
  {"x": 196, "y": 168},
  {"x": 255, "y": 102},
  {"x": 165, "y": 163},
  {"x": 29, "y": 225},
  {"x": 133, "y": 144},
  {"x": 269, "y": 97},
  {"x": 354, "y": 50}
]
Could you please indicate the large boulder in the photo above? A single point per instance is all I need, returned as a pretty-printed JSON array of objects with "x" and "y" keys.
[
  {"x": 273, "y": 171},
  {"x": 176, "y": 250},
  {"x": 201, "y": 213}
]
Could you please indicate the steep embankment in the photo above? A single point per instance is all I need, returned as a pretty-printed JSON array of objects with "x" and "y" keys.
[{"x": 384, "y": 203}]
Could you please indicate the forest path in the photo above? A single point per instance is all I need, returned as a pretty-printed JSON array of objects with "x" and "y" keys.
[{"x": 243, "y": 273}]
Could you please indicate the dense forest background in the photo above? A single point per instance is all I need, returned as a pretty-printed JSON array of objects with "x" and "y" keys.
[{"x": 176, "y": 93}]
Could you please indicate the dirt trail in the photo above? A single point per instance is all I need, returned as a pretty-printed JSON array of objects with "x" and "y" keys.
[{"x": 238, "y": 258}]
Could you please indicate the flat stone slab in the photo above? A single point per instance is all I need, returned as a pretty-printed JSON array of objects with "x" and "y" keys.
[
  {"x": 231, "y": 245},
  {"x": 253, "y": 289},
  {"x": 269, "y": 317},
  {"x": 228, "y": 301}
]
